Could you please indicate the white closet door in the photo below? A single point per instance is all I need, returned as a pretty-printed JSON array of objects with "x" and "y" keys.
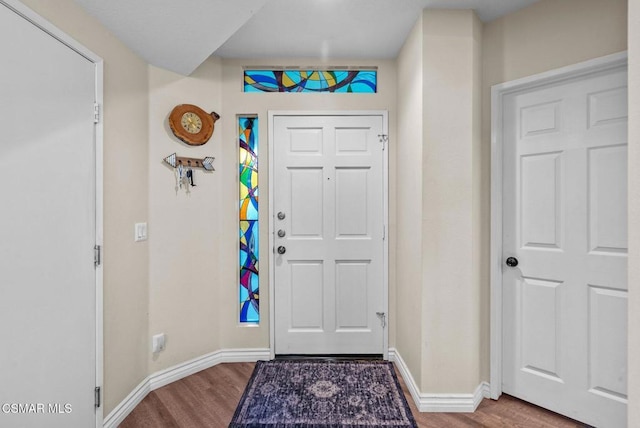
[
  {"x": 47, "y": 230},
  {"x": 565, "y": 221}
]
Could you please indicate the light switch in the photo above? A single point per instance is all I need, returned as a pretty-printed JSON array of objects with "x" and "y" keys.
[
  {"x": 140, "y": 232},
  {"x": 157, "y": 343}
]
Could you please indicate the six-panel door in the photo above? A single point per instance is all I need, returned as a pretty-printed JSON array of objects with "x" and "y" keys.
[
  {"x": 329, "y": 192},
  {"x": 565, "y": 220}
]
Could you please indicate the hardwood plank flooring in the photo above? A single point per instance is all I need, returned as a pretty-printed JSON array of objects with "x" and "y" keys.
[{"x": 209, "y": 398}]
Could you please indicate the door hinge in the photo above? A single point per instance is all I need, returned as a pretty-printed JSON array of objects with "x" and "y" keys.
[
  {"x": 383, "y": 318},
  {"x": 98, "y": 396},
  {"x": 96, "y": 113},
  {"x": 97, "y": 255},
  {"x": 383, "y": 139},
  {"x": 384, "y": 232}
]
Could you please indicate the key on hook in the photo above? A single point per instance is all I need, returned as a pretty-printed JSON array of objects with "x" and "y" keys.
[{"x": 190, "y": 177}]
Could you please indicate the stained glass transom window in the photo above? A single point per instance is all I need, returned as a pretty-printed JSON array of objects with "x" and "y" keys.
[
  {"x": 354, "y": 81},
  {"x": 249, "y": 231}
]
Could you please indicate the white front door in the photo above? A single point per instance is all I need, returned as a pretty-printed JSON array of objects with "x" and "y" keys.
[
  {"x": 47, "y": 230},
  {"x": 565, "y": 221},
  {"x": 329, "y": 230}
]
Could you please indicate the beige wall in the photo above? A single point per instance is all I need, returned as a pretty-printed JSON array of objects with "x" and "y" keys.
[
  {"x": 409, "y": 319},
  {"x": 439, "y": 322},
  {"x": 126, "y": 192},
  {"x": 183, "y": 281},
  {"x": 193, "y": 238},
  {"x": 184, "y": 228},
  {"x": 547, "y": 35},
  {"x": 236, "y": 102},
  {"x": 551, "y": 34},
  {"x": 634, "y": 213},
  {"x": 451, "y": 139},
  {"x": 438, "y": 287}
]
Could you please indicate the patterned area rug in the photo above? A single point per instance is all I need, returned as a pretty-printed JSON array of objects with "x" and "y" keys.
[{"x": 323, "y": 394}]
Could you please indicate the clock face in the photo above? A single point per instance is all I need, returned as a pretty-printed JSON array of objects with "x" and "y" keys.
[{"x": 191, "y": 122}]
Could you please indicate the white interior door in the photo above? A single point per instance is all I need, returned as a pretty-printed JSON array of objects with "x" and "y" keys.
[
  {"x": 47, "y": 230},
  {"x": 565, "y": 221},
  {"x": 329, "y": 200}
]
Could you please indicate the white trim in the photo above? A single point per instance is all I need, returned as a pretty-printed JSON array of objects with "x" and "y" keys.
[
  {"x": 187, "y": 368},
  {"x": 451, "y": 402},
  {"x": 20, "y": 9},
  {"x": 498, "y": 92},
  {"x": 177, "y": 372},
  {"x": 272, "y": 242},
  {"x": 40, "y": 22},
  {"x": 99, "y": 147},
  {"x": 122, "y": 410},
  {"x": 412, "y": 386},
  {"x": 385, "y": 171},
  {"x": 385, "y": 245}
]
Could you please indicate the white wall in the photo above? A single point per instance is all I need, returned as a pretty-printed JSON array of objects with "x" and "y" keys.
[
  {"x": 126, "y": 293},
  {"x": 634, "y": 213}
]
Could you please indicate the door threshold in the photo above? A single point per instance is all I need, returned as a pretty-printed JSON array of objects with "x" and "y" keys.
[{"x": 330, "y": 357}]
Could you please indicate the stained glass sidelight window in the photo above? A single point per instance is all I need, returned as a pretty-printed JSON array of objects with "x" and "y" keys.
[
  {"x": 249, "y": 231},
  {"x": 354, "y": 81}
]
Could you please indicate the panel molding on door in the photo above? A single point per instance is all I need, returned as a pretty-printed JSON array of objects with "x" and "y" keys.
[{"x": 328, "y": 177}]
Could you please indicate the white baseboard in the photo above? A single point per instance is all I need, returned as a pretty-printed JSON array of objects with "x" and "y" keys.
[
  {"x": 454, "y": 402},
  {"x": 122, "y": 410},
  {"x": 424, "y": 402},
  {"x": 177, "y": 372}
]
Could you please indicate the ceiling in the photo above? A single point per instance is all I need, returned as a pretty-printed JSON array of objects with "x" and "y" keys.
[{"x": 179, "y": 35}]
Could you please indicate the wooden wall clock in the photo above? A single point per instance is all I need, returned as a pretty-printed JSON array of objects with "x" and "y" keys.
[{"x": 191, "y": 124}]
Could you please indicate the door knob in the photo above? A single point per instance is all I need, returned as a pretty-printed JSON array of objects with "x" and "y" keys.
[
  {"x": 281, "y": 250},
  {"x": 512, "y": 262},
  {"x": 281, "y": 215},
  {"x": 281, "y": 233}
]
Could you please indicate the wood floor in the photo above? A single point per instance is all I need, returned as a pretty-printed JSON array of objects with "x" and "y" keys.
[{"x": 209, "y": 398}]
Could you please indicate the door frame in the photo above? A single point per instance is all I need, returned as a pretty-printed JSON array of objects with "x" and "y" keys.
[
  {"x": 385, "y": 245},
  {"x": 498, "y": 93},
  {"x": 53, "y": 31}
]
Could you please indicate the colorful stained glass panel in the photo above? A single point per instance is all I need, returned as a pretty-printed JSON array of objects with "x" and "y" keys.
[
  {"x": 354, "y": 81},
  {"x": 249, "y": 230}
]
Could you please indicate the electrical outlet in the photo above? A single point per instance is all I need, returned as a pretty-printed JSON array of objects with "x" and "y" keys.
[
  {"x": 140, "y": 233},
  {"x": 158, "y": 343}
]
